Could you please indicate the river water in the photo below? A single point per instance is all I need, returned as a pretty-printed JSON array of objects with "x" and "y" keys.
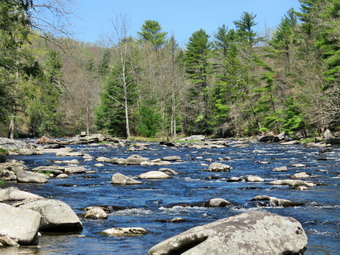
[{"x": 146, "y": 204}]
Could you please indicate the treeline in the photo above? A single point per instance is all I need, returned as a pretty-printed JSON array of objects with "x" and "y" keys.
[{"x": 232, "y": 83}]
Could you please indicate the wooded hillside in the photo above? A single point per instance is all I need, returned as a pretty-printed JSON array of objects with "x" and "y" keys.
[{"x": 232, "y": 83}]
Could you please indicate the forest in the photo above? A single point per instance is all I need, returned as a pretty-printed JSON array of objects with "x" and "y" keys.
[{"x": 233, "y": 83}]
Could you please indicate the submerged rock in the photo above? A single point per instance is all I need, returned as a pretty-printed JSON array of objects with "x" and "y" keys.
[
  {"x": 273, "y": 201},
  {"x": 247, "y": 233},
  {"x": 19, "y": 224},
  {"x": 124, "y": 231}
]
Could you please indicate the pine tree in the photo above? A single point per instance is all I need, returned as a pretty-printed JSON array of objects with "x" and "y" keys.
[
  {"x": 197, "y": 67},
  {"x": 151, "y": 32}
]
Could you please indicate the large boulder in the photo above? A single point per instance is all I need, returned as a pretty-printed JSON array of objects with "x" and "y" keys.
[
  {"x": 253, "y": 232},
  {"x": 31, "y": 177},
  {"x": 56, "y": 215},
  {"x": 19, "y": 223},
  {"x": 120, "y": 179}
]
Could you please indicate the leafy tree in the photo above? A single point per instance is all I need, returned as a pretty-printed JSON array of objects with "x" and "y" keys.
[
  {"x": 151, "y": 32},
  {"x": 104, "y": 64}
]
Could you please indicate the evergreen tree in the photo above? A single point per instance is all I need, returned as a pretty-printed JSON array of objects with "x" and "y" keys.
[
  {"x": 197, "y": 68},
  {"x": 245, "y": 27},
  {"x": 151, "y": 32}
]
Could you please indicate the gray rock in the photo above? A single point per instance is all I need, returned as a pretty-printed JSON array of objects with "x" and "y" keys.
[
  {"x": 20, "y": 224},
  {"x": 104, "y": 159},
  {"x": 273, "y": 201},
  {"x": 7, "y": 175},
  {"x": 135, "y": 160},
  {"x": 61, "y": 176},
  {"x": 234, "y": 179},
  {"x": 27, "y": 152},
  {"x": 121, "y": 179},
  {"x": 171, "y": 158},
  {"x": 95, "y": 213},
  {"x": 168, "y": 171},
  {"x": 124, "y": 231},
  {"x": 280, "y": 169},
  {"x": 56, "y": 215},
  {"x": 253, "y": 178},
  {"x": 11, "y": 144},
  {"x": 300, "y": 175},
  {"x": 7, "y": 241},
  {"x": 75, "y": 170},
  {"x": 31, "y": 177},
  {"x": 49, "y": 169},
  {"x": 15, "y": 194},
  {"x": 328, "y": 134},
  {"x": 154, "y": 175},
  {"x": 218, "y": 202},
  {"x": 219, "y": 167},
  {"x": 293, "y": 183},
  {"x": 253, "y": 232}
]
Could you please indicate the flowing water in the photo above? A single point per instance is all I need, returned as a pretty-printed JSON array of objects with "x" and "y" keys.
[{"x": 146, "y": 204}]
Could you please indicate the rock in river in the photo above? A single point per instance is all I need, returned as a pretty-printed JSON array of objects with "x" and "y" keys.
[
  {"x": 273, "y": 201},
  {"x": 95, "y": 213},
  {"x": 121, "y": 179},
  {"x": 124, "y": 231},
  {"x": 154, "y": 175},
  {"x": 56, "y": 215},
  {"x": 219, "y": 167},
  {"x": 15, "y": 194},
  {"x": 253, "y": 232},
  {"x": 135, "y": 160},
  {"x": 31, "y": 177},
  {"x": 20, "y": 224}
]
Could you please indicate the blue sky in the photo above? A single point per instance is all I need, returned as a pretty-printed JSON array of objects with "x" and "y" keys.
[{"x": 178, "y": 17}]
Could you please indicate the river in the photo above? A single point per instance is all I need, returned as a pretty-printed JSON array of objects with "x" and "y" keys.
[{"x": 146, "y": 204}]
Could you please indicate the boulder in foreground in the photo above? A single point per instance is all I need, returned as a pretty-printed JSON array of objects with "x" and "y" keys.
[
  {"x": 19, "y": 224},
  {"x": 253, "y": 232},
  {"x": 56, "y": 215}
]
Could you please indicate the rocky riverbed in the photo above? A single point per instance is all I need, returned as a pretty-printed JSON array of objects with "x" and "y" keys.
[{"x": 131, "y": 196}]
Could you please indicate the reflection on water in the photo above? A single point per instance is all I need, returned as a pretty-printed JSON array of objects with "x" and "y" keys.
[{"x": 145, "y": 205}]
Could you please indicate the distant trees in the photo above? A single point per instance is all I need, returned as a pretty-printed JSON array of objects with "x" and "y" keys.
[{"x": 230, "y": 84}]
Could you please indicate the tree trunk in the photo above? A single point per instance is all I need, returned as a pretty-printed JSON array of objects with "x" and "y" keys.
[
  {"x": 126, "y": 107},
  {"x": 11, "y": 129}
]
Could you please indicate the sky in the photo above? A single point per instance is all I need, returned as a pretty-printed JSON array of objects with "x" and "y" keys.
[{"x": 93, "y": 18}]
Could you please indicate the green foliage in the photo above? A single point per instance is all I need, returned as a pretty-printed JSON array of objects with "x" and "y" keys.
[
  {"x": 151, "y": 32},
  {"x": 293, "y": 118},
  {"x": 245, "y": 27},
  {"x": 149, "y": 119}
]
